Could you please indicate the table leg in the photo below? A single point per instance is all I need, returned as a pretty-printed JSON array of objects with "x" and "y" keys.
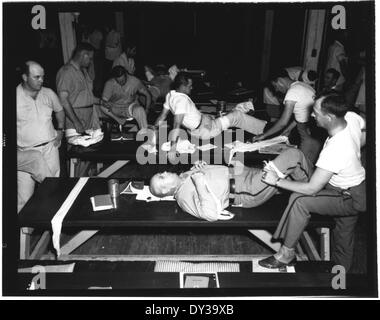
[
  {"x": 112, "y": 168},
  {"x": 73, "y": 162},
  {"x": 25, "y": 235},
  {"x": 266, "y": 237}
]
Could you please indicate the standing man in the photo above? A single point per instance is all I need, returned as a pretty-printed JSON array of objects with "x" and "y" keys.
[
  {"x": 336, "y": 188},
  {"x": 74, "y": 86},
  {"x": 37, "y": 140},
  {"x": 337, "y": 58}
]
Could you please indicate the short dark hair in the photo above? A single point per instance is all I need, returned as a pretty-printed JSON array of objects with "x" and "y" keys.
[
  {"x": 312, "y": 75},
  {"x": 118, "y": 71},
  {"x": 335, "y": 104},
  {"x": 334, "y": 72},
  {"x": 182, "y": 78},
  {"x": 82, "y": 46}
]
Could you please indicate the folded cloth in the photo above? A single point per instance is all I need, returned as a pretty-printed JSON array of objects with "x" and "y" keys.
[
  {"x": 94, "y": 136},
  {"x": 245, "y": 106},
  {"x": 183, "y": 146},
  {"x": 239, "y": 146},
  {"x": 149, "y": 147}
]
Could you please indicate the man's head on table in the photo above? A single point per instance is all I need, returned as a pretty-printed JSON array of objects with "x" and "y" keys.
[
  {"x": 164, "y": 184},
  {"x": 32, "y": 76}
]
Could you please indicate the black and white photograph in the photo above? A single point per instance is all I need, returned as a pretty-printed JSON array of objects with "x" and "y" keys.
[{"x": 189, "y": 149}]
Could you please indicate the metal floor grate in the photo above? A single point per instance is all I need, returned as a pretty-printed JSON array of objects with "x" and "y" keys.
[{"x": 181, "y": 266}]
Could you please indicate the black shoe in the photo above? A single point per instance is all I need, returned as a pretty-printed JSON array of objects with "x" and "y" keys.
[{"x": 272, "y": 263}]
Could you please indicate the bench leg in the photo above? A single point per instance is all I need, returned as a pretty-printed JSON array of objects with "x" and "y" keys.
[
  {"x": 309, "y": 247},
  {"x": 73, "y": 162},
  {"x": 325, "y": 243},
  {"x": 25, "y": 235},
  {"x": 112, "y": 168},
  {"x": 266, "y": 237},
  {"x": 40, "y": 246},
  {"x": 77, "y": 241},
  {"x": 99, "y": 167}
]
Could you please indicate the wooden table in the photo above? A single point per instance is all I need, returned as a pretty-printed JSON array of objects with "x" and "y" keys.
[{"x": 137, "y": 215}]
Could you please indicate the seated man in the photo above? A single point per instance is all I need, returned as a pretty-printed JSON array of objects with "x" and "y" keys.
[
  {"x": 336, "y": 188},
  {"x": 200, "y": 125},
  {"x": 119, "y": 98},
  {"x": 206, "y": 190}
]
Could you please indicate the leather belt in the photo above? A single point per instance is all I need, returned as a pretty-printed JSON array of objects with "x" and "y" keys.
[
  {"x": 41, "y": 145},
  {"x": 200, "y": 122},
  {"x": 85, "y": 107}
]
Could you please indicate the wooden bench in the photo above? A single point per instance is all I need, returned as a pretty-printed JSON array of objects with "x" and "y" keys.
[{"x": 139, "y": 215}]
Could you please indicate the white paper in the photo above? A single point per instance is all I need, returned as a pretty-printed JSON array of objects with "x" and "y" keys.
[
  {"x": 257, "y": 268},
  {"x": 57, "y": 220},
  {"x": 206, "y": 147},
  {"x": 144, "y": 194},
  {"x": 239, "y": 146},
  {"x": 183, "y": 146}
]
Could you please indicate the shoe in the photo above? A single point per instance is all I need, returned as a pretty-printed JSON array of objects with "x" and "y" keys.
[
  {"x": 272, "y": 263},
  {"x": 116, "y": 136}
]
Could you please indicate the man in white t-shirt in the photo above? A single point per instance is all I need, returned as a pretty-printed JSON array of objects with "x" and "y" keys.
[
  {"x": 336, "y": 188},
  {"x": 298, "y": 101},
  {"x": 200, "y": 125}
]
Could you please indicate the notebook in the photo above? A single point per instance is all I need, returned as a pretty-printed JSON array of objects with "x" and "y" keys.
[{"x": 101, "y": 202}]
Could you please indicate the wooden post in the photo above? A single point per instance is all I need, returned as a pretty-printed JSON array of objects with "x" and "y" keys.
[
  {"x": 313, "y": 38},
  {"x": 265, "y": 58},
  {"x": 68, "y": 37}
]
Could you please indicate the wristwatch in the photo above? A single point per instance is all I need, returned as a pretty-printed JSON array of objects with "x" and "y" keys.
[{"x": 277, "y": 181}]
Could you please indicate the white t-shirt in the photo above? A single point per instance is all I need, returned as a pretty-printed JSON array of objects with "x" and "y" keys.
[
  {"x": 304, "y": 96},
  {"x": 341, "y": 154},
  {"x": 180, "y": 103}
]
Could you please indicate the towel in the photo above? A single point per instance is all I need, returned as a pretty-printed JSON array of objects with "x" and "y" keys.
[
  {"x": 239, "y": 146},
  {"x": 76, "y": 139}
]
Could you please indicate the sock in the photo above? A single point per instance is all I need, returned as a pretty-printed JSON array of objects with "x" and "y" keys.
[
  {"x": 225, "y": 122},
  {"x": 285, "y": 254}
]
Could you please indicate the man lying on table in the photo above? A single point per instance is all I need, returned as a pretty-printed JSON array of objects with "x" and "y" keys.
[
  {"x": 336, "y": 188},
  {"x": 200, "y": 125},
  {"x": 206, "y": 190}
]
